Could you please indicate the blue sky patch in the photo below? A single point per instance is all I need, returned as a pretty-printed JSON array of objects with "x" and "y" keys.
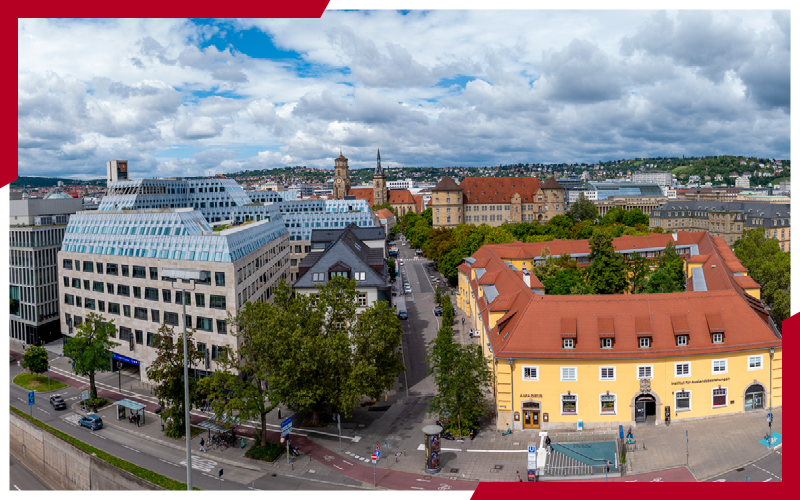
[{"x": 460, "y": 80}]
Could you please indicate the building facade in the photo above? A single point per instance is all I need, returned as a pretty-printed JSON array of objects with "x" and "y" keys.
[
  {"x": 496, "y": 200},
  {"x": 644, "y": 203},
  {"x": 37, "y": 230},
  {"x": 401, "y": 200},
  {"x": 657, "y": 177},
  {"x": 610, "y": 360},
  {"x": 727, "y": 220}
]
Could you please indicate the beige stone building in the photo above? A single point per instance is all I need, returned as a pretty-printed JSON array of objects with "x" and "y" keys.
[
  {"x": 644, "y": 203},
  {"x": 496, "y": 200}
]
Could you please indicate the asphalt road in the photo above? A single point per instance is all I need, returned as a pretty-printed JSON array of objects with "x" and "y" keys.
[
  {"x": 767, "y": 469},
  {"x": 20, "y": 478},
  {"x": 163, "y": 459}
]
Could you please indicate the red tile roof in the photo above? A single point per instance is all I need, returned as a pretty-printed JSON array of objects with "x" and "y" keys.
[
  {"x": 363, "y": 194},
  {"x": 401, "y": 197},
  {"x": 419, "y": 201},
  {"x": 384, "y": 213},
  {"x": 499, "y": 189}
]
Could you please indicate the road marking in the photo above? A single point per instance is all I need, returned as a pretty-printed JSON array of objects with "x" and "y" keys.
[
  {"x": 770, "y": 479},
  {"x": 345, "y": 461},
  {"x": 21, "y": 399},
  {"x": 212, "y": 477},
  {"x": 251, "y": 488},
  {"x": 423, "y": 480},
  {"x": 338, "y": 467},
  {"x": 416, "y": 488},
  {"x": 43, "y": 410},
  {"x": 72, "y": 419},
  {"x": 176, "y": 465},
  {"x": 137, "y": 451},
  {"x": 17, "y": 487},
  {"x": 203, "y": 464},
  {"x": 96, "y": 434},
  {"x": 768, "y": 472}
]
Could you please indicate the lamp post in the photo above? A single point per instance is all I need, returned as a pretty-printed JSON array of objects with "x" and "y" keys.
[
  {"x": 769, "y": 419},
  {"x": 193, "y": 276}
]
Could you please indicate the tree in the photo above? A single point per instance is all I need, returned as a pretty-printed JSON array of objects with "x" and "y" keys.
[
  {"x": 661, "y": 282},
  {"x": 35, "y": 360},
  {"x": 635, "y": 216},
  {"x": 583, "y": 210},
  {"x": 376, "y": 341},
  {"x": 566, "y": 282},
  {"x": 607, "y": 273},
  {"x": 671, "y": 262},
  {"x": 90, "y": 348},
  {"x": 392, "y": 268},
  {"x": 639, "y": 270},
  {"x": 387, "y": 206},
  {"x": 166, "y": 372}
]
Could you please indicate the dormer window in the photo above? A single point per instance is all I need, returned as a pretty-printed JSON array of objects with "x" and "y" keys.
[
  {"x": 569, "y": 343},
  {"x": 644, "y": 342},
  {"x": 606, "y": 343},
  {"x": 682, "y": 340},
  {"x": 716, "y": 338}
]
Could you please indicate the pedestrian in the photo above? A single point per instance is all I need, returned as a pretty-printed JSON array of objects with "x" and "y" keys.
[
  {"x": 138, "y": 417},
  {"x": 519, "y": 478},
  {"x": 202, "y": 445},
  {"x": 547, "y": 443},
  {"x": 94, "y": 407},
  {"x": 279, "y": 413}
]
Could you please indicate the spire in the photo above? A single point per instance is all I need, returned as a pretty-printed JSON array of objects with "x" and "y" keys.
[{"x": 379, "y": 169}]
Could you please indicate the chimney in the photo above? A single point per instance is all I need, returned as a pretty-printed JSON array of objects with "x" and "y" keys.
[{"x": 526, "y": 277}]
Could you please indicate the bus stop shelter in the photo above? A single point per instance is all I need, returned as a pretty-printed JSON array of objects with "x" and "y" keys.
[
  {"x": 133, "y": 406},
  {"x": 219, "y": 424}
]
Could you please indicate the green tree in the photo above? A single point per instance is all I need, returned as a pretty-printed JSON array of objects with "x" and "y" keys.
[
  {"x": 166, "y": 372},
  {"x": 392, "y": 268},
  {"x": 639, "y": 270},
  {"x": 566, "y": 282},
  {"x": 635, "y": 216},
  {"x": 376, "y": 341},
  {"x": 35, "y": 360},
  {"x": 608, "y": 272},
  {"x": 584, "y": 210},
  {"x": 671, "y": 262},
  {"x": 387, "y": 206},
  {"x": 90, "y": 349},
  {"x": 661, "y": 282}
]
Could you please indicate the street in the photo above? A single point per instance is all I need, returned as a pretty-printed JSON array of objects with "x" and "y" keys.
[
  {"x": 767, "y": 469},
  {"x": 20, "y": 478}
]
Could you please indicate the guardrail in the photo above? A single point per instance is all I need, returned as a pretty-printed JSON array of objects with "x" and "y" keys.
[{"x": 583, "y": 437}]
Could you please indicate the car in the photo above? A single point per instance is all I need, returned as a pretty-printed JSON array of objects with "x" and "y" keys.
[
  {"x": 402, "y": 315},
  {"x": 438, "y": 311},
  {"x": 91, "y": 421},
  {"x": 394, "y": 294},
  {"x": 403, "y": 243},
  {"x": 401, "y": 263},
  {"x": 58, "y": 403}
]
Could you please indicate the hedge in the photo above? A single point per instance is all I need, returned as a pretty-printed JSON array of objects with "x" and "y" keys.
[
  {"x": 146, "y": 474},
  {"x": 266, "y": 453}
]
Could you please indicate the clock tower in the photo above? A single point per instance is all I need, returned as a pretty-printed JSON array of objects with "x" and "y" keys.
[
  {"x": 341, "y": 177},
  {"x": 380, "y": 194}
]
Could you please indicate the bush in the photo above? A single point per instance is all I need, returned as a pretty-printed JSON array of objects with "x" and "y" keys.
[
  {"x": 99, "y": 402},
  {"x": 267, "y": 453}
]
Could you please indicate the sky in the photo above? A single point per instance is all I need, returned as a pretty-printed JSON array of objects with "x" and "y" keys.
[{"x": 184, "y": 97}]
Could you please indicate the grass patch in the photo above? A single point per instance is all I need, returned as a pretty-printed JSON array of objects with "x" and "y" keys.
[
  {"x": 267, "y": 453},
  {"x": 146, "y": 474},
  {"x": 195, "y": 431},
  {"x": 38, "y": 383}
]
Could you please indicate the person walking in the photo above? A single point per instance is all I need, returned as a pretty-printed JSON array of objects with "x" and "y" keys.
[
  {"x": 547, "y": 443},
  {"x": 279, "y": 413},
  {"x": 202, "y": 445}
]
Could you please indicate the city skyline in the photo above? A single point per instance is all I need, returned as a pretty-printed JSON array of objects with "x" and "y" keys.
[{"x": 440, "y": 88}]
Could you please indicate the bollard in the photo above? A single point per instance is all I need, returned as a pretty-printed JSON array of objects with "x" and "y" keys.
[
  {"x": 404, "y": 452},
  {"x": 292, "y": 465}
]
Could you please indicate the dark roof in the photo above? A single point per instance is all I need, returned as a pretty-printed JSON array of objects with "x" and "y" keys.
[
  {"x": 362, "y": 233},
  {"x": 347, "y": 251},
  {"x": 552, "y": 183},
  {"x": 767, "y": 211},
  {"x": 447, "y": 184}
]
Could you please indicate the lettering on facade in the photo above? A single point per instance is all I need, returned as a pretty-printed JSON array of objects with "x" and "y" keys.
[
  {"x": 701, "y": 381},
  {"x": 530, "y": 395}
]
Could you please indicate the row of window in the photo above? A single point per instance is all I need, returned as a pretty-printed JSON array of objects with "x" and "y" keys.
[
  {"x": 125, "y": 271},
  {"x": 215, "y": 302},
  {"x": 170, "y": 318},
  {"x": 608, "y": 401},
  {"x": 357, "y": 275},
  {"x": 609, "y": 373},
  {"x": 647, "y": 342}
]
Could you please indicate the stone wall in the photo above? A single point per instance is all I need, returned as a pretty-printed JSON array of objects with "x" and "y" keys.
[{"x": 63, "y": 466}]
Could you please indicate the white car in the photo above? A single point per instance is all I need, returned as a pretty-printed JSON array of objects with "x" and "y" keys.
[{"x": 401, "y": 263}]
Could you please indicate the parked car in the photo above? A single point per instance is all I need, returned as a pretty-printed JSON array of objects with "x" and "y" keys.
[
  {"x": 407, "y": 289},
  {"x": 438, "y": 311},
  {"x": 91, "y": 421},
  {"x": 402, "y": 315},
  {"x": 401, "y": 263},
  {"x": 58, "y": 403}
]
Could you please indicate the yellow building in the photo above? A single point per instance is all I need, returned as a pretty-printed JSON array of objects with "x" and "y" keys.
[{"x": 608, "y": 360}]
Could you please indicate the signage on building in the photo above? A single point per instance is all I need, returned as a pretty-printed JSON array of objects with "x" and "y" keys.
[
  {"x": 700, "y": 381},
  {"x": 530, "y": 395},
  {"x": 126, "y": 359}
]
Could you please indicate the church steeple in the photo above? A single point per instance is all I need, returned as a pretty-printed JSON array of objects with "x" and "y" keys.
[
  {"x": 379, "y": 169},
  {"x": 380, "y": 194}
]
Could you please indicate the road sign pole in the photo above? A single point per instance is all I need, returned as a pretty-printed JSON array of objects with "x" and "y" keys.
[
  {"x": 687, "y": 448},
  {"x": 339, "y": 423},
  {"x": 287, "y": 450},
  {"x": 373, "y": 473}
]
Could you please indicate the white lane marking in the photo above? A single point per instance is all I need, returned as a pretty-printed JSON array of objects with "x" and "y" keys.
[
  {"x": 176, "y": 465},
  {"x": 345, "y": 461},
  {"x": 416, "y": 488},
  {"x": 251, "y": 488},
  {"x": 423, "y": 480},
  {"x": 95, "y": 434},
  {"x": 17, "y": 487},
  {"x": 137, "y": 451},
  {"x": 770, "y": 479},
  {"x": 338, "y": 467},
  {"x": 21, "y": 399},
  {"x": 44, "y": 411},
  {"x": 768, "y": 472},
  {"x": 212, "y": 477}
]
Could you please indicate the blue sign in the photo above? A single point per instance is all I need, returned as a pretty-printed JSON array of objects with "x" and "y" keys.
[
  {"x": 286, "y": 427},
  {"x": 31, "y": 398},
  {"x": 378, "y": 453},
  {"x": 531, "y": 449},
  {"x": 774, "y": 440},
  {"x": 125, "y": 359}
]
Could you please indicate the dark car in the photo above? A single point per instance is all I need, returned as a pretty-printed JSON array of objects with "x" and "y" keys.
[
  {"x": 58, "y": 403},
  {"x": 402, "y": 315},
  {"x": 438, "y": 311},
  {"x": 91, "y": 421}
]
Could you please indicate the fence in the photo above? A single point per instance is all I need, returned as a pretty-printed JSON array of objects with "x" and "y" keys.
[{"x": 584, "y": 437}]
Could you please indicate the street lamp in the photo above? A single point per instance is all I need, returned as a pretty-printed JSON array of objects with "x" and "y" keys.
[{"x": 186, "y": 276}]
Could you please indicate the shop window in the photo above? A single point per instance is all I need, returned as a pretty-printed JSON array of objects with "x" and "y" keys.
[
  {"x": 569, "y": 404},
  {"x": 683, "y": 401},
  {"x": 719, "y": 397}
]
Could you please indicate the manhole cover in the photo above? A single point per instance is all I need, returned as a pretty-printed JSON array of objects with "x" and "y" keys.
[
  {"x": 740, "y": 469},
  {"x": 453, "y": 471},
  {"x": 498, "y": 467}
]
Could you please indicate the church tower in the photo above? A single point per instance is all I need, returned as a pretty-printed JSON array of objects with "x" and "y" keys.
[
  {"x": 380, "y": 194},
  {"x": 341, "y": 178}
]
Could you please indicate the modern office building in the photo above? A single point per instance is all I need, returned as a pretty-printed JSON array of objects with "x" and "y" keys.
[
  {"x": 606, "y": 190},
  {"x": 559, "y": 361},
  {"x": 657, "y": 177},
  {"x": 728, "y": 220},
  {"x": 37, "y": 229}
]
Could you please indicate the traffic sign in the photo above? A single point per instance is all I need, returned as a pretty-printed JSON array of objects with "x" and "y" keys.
[
  {"x": 31, "y": 398},
  {"x": 377, "y": 447},
  {"x": 377, "y": 454},
  {"x": 375, "y": 457},
  {"x": 286, "y": 427},
  {"x": 531, "y": 449}
]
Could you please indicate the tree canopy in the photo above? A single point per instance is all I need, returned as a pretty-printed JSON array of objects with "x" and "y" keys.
[
  {"x": 770, "y": 267},
  {"x": 35, "y": 360},
  {"x": 90, "y": 348}
]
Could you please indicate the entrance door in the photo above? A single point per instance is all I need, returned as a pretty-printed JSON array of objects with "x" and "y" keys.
[
  {"x": 535, "y": 419},
  {"x": 754, "y": 398},
  {"x": 640, "y": 414},
  {"x": 530, "y": 415}
]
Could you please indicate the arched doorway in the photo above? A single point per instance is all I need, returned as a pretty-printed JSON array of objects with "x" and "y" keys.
[
  {"x": 754, "y": 397},
  {"x": 646, "y": 408},
  {"x": 540, "y": 217}
]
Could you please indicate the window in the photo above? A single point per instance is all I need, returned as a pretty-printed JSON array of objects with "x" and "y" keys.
[
  {"x": 187, "y": 320},
  {"x": 218, "y": 302},
  {"x": 343, "y": 274},
  {"x": 126, "y": 311},
  {"x": 530, "y": 373},
  {"x": 719, "y": 366},
  {"x": 716, "y": 338},
  {"x": 318, "y": 277},
  {"x": 569, "y": 404},
  {"x": 755, "y": 362},
  {"x": 69, "y": 299},
  {"x": 111, "y": 269},
  {"x": 88, "y": 267},
  {"x": 362, "y": 299},
  {"x": 569, "y": 373},
  {"x": 206, "y": 281},
  {"x": 683, "y": 401},
  {"x": 123, "y": 290},
  {"x": 222, "y": 327},
  {"x": 682, "y": 340},
  {"x": 200, "y": 299},
  {"x": 101, "y": 306},
  {"x": 137, "y": 292},
  {"x": 99, "y": 268},
  {"x": 97, "y": 286},
  {"x": 361, "y": 276},
  {"x": 153, "y": 273},
  {"x": 86, "y": 285},
  {"x": 201, "y": 347},
  {"x": 644, "y": 371},
  {"x": 113, "y": 308},
  {"x": 166, "y": 296},
  {"x": 606, "y": 343},
  {"x": 719, "y": 397},
  {"x": 179, "y": 296},
  {"x": 139, "y": 272},
  {"x": 608, "y": 404},
  {"x": 171, "y": 318},
  {"x": 205, "y": 324},
  {"x": 125, "y": 270},
  {"x": 140, "y": 313},
  {"x": 683, "y": 369},
  {"x": 644, "y": 342},
  {"x": 150, "y": 339},
  {"x": 151, "y": 294},
  {"x": 607, "y": 373},
  {"x": 569, "y": 343},
  {"x": 219, "y": 279},
  {"x": 139, "y": 337},
  {"x": 67, "y": 264},
  {"x": 154, "y": 316},
  {"x": 89, "y": 303}
]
